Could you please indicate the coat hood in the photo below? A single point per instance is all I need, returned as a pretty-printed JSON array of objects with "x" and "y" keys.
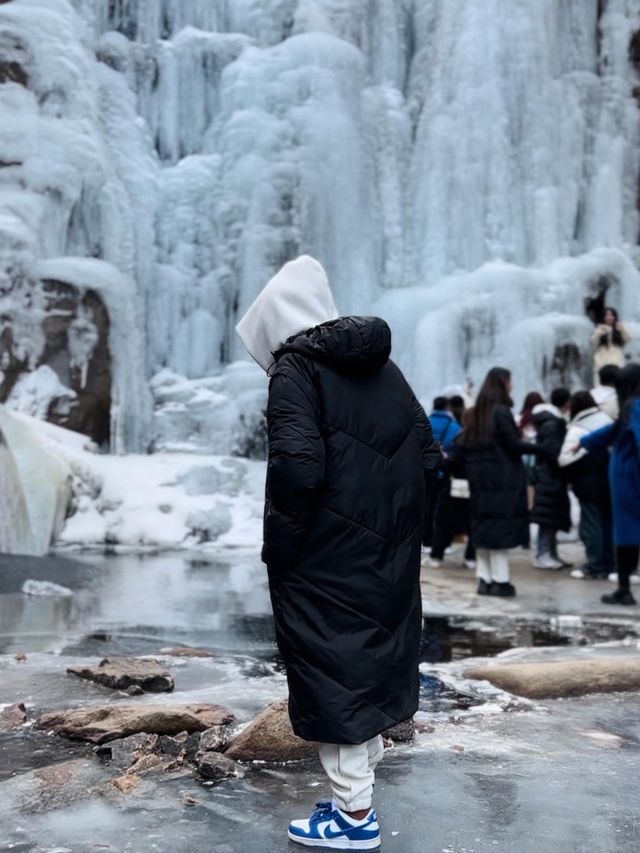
[
  {"x": 546, "y": 410},
  {"x": 349, "y": 344},
  {"x": 297, "y": 298}
]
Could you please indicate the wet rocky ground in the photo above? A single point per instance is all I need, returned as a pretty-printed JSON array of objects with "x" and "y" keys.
[{"x": 487, "y": 771}]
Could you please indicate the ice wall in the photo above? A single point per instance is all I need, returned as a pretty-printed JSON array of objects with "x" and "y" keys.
[
  {"x": 440, "y": 158},
  {"x": 35, "y": 488}
]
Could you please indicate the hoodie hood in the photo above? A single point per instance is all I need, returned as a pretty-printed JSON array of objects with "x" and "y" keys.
[
  {"x": 358, "y": 345},
  {"x": 297, "y": 298}
]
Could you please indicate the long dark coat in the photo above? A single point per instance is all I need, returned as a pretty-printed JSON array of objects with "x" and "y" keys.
[
  {"x": 348, "y": 447},
  {"x": 498, "y": 485},
  {"x": 551, "y": 506}
]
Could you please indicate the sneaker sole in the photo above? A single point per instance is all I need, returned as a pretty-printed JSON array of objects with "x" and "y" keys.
[{"x": 335, "y": 844}]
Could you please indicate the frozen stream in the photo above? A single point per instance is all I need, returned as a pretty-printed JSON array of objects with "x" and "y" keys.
[{"x": 505, "y": 760}]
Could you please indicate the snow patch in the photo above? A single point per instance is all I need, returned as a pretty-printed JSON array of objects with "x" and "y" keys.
[{"x": 46, "y": 588}]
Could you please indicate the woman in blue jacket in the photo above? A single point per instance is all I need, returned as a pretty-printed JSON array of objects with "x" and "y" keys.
[{"x": 623, "y": 437}]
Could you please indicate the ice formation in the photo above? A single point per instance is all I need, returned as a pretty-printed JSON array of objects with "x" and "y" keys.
[
  {"x": 35, "y": 485},
  {"x": 140, "y": 502},
  {"x": 467, "y": 169}
]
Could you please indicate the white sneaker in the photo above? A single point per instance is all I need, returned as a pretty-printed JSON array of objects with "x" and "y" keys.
[
  {"x": 329, "y": 827},
  {"x": 432, "y": 564},
  {"x": 547, "y": 563},
  {"x": 470, "y": 564}
]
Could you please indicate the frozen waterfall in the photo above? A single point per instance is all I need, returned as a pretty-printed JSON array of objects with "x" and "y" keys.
[
  {"x": 468, "y": 169},
  {"x": 35, "y": 488}
]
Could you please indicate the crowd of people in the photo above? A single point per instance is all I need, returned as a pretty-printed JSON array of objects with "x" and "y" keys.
[{"x": 501, "y": 474}]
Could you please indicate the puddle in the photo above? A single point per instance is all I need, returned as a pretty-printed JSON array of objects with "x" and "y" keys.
[
  {"x": 452, "y": 638},
  {"x": 132, "y": 604}
]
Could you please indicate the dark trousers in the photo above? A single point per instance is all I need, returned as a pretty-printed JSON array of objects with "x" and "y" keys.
[
  {"x": 627, "y": 557},
  {"x": 596, "y": 533},
  {"x": 442, "y": 522},
  {"x": 451, "y": 517},
  {"x": 547, "y": 542}
]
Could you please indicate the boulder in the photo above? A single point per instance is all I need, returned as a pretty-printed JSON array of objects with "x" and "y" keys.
[
  {"x": 560, "y": 679},
  {"x": 215, "y": 767},
  {"x": 270, "y": 738},
  {"x": 12, "y": 717},
  {"x": 126, "y": 751},
  {"x": 215, "y": 739},
  {"x": 64, "y": 785},
  {"x": 143, "y": 754},
  {"x": 187, "y": 652},
  {"x": 401, "y": 732},
  {"x": 123, "y": 673},
  {"x": 102, "y": 723},
  {"x": 154, "y": 763},
  {"x": 182, "y": 745}
]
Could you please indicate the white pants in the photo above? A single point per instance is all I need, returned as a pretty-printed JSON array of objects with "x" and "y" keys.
[
  {"x": 351, "y": 771},
  {"x": 492, "y": 565}
]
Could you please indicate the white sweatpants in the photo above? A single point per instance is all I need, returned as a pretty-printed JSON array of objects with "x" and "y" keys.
[
  {"x": 492, "y": 565},
  {"x": 350, "y": 769}
]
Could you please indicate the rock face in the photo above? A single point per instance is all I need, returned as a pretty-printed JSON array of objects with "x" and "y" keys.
[
  {"x": 270, "y": 738},
  {"x": 72, "y": 330},
  {"x": 12, "y": 717},
  {"x": 559, "y": 679},
  {"x": 124, "y": 673},
  {"x": 102, "y": 723}
]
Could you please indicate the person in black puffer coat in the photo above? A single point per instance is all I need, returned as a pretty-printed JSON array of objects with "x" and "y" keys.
[
  {"x": 551, "y": 507},
  {"x": 489, "y": 454},
  {"x": 348, "y": 449}
]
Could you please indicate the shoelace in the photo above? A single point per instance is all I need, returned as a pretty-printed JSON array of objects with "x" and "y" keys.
[{"x": 323, "y": 808}]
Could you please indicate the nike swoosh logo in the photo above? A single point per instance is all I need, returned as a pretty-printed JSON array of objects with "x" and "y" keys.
[{"x": 329, "y": 833}]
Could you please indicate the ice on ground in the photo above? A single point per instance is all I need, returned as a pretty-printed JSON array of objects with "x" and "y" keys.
[{"x": 46, "y": 588}]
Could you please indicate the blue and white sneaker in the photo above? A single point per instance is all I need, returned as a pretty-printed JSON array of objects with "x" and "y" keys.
[{"x": 330, "y": 828}]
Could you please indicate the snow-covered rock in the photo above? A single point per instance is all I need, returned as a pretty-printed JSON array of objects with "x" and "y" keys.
[{"x": 163, "y": 501}]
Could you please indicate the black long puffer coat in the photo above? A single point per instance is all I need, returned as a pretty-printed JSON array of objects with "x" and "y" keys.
[
  {"x": 348, "y": 447},
  {"x": 498, "y": 485},
  {"x": 551, "y": 506}
]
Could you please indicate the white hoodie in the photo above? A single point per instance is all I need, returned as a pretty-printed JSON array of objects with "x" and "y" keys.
[
  {"x": 584, "y": 422},
  {"x": 297, "y": 298}
]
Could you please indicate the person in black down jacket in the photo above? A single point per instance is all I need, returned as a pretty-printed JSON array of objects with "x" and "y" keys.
[
  {"x": 490, "y": 451},
  {"x": 551, "y": 508},
  {"x": 348, "y": 449}
]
